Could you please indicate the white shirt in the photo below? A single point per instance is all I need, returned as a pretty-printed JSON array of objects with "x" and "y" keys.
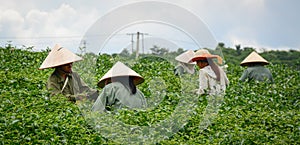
[{"x": 208, "y": 83}]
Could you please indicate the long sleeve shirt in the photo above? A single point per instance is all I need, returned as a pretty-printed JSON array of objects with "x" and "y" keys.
[
  {"x": 258, "y": 72},
  {"x": 116, "y": 96},
  {"x": 208, "y": 83},
  {"x": 74, "y": 88},
  {"x": 183, "y": 68}
]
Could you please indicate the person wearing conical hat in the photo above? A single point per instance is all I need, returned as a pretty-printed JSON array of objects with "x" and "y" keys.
[
  {"x": 63, "y": 80},
  {"x": 185, "y": 66},
  {"x": 212, "y": 79},
  {"x": 119, "y": 90},
  {"x": 212, "y": 83},
  {"x": 255, "y": 68}
]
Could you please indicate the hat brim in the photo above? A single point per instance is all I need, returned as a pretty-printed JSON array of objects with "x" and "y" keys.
[
  {"x": 54, "y": 66},
  {"x": 120, "y": 70},
  {"x": 185, "y": 57},
  {"x": 254, "y": 62},
  {"x": 137, "y": 80},
  {"x": 59, "y": 56},
  {"x": 196, "y": 58},
  {"x": 253, "y": 58}
]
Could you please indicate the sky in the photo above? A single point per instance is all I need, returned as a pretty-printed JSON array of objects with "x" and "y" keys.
[{"x": 111, "y": 25}]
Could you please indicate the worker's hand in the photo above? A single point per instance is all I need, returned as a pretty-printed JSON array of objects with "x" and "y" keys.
[{"x": 195, "y": 91}]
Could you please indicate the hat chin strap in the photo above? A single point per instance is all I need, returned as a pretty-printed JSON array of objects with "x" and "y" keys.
[{"x": 66, "y": 81}]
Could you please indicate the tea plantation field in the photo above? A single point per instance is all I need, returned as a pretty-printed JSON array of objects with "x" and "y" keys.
[{"x": 251, "y": 113}]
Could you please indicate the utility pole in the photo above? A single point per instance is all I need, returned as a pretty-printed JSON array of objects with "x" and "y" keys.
[
  {"x": 83, "y": 48},
  {"x": 143, "y": 43},
  {"x": 137, "y": 42},
  {"x": 137, "y": 45},
  {"x": 131, "y": 41}
]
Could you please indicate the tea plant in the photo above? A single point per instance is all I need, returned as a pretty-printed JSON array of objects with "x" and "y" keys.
[{"x": 252, "y": 112}]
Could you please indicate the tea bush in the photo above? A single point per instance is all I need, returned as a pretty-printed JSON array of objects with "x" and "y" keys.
[{"x": 252, "y": 113}]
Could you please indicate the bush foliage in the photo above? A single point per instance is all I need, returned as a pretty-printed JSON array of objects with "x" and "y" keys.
[{"x": 252, "y": 113}]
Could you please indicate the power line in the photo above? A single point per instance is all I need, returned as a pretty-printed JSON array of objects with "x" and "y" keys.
[
  {"x": 43, "y": 37},
  {"x": 176, "y": 40},
  {"x": 54, "y": 37}
]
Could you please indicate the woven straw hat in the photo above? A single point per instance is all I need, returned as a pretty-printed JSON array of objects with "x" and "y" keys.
[
  {"x": 120, "y": 69},
  {"x": 254, "y": 58},
  {"x": 59, "y": 56},
  {"x": 186, "y": 57},
  {"x": 202, "y": 54}
]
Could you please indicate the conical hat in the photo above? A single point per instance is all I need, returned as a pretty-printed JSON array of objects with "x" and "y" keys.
[
  {"x": 252, "y": 58},
  {"x": 59, "y": 56},
  {"x": 204, "y": 54},
  {"x": 120, "y": 69},
  {"x": 186, "y": 57}
]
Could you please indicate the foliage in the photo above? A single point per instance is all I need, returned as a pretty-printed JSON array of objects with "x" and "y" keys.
[
  {"x": 235, "y": 56},
  {"x": 252, "y": 113},
  {"x": 28, "y": 115},
  {"x": 159, "y": 51}
]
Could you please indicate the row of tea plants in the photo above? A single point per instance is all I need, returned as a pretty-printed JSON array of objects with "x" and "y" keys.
[{"x": 252, "y": 113}]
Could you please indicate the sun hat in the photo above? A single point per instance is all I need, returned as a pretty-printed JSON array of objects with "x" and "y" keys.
[
  {"x": 202, "y": 54},
  {"x": 120, "y": 69},
  {"x": 254, "y": 57},
  {"x": 184, "y": 60},
  {"x": 186, "y": 57},
  {"x": 59, "y": 56}
]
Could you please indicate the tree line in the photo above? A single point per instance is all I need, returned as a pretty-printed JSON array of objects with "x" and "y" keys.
[{"x": 234, "y": 56}]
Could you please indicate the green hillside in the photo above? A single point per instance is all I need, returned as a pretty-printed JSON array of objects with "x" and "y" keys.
[{"x": 252, "y": 113}]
